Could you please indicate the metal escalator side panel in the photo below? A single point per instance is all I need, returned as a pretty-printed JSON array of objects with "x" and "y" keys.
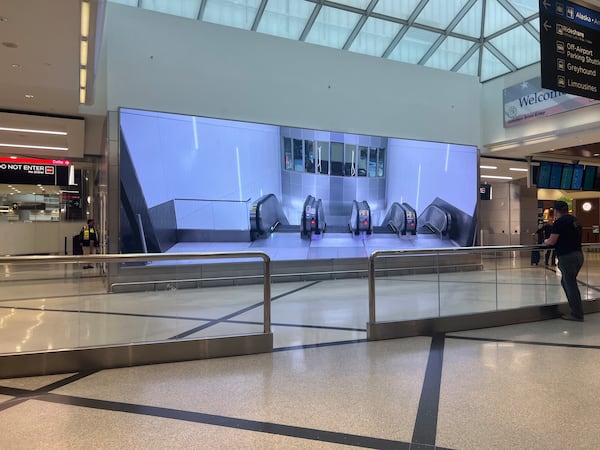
[
  {"x": 306, "y": 216},
  {"x": 411, "y": 218},
  {"x": 364, "y": 218}
]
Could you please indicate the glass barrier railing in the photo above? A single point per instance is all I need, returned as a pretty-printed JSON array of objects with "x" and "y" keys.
[
  {"x": 64, "y": 302},
  {"x": 55, "y": 303},
  {"x": 409, "y": 285}
]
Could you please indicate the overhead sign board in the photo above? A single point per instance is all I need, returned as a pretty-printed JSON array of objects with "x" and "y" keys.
[
  {"x": 34, "y": 171},
  {"x": 570, "y": 48}
]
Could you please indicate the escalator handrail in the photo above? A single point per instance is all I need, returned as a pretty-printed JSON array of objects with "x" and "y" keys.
[
  {"x": 309, "y": 201},
  {"x": 259, "y": 204},
  {"x": 446, "y": 214}
]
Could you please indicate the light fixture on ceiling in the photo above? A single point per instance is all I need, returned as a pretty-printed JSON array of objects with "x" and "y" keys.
[
  {"x": 83, "y": 49},
  {"x": 596, "y": 154},
  {"x": 39, "y": 147},
  {"x": 488, "y": 167},
  {"x": 496, "y": 177},
  {"x": 29, "y": 96},
  {"x": 29, "y": 130},
  {"x": 518, "y": 169}
]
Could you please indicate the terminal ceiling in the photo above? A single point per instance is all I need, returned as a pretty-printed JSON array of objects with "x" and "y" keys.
[{"x": 483, "y": 38}]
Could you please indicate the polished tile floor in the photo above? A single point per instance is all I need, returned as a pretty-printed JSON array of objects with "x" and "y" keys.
[{"x": 526, "y": 386}]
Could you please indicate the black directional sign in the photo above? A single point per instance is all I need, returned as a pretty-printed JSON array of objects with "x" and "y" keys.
[{"x": 570, "y": 48}]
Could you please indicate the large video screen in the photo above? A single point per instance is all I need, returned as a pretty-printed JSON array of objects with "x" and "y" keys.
[{"x": 196, "y": 178}]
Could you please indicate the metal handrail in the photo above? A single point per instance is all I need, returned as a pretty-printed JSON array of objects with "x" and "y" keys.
[{"x": 142, "y": 257}]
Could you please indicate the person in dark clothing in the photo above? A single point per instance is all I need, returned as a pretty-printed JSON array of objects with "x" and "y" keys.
[
  {"x": 88, "y": 237},
  {"x": 544, "y": 233},
  {"x": 565, "y": 237}
]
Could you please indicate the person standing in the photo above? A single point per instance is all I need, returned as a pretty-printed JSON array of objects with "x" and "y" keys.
[
  {"x": 565, "y": 237},
  {"x": 547, "y": 230},
  {"x": 89, "y": 240}
]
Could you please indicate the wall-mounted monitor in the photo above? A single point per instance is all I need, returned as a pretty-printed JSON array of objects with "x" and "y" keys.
[
  {"x": 577, "y": 180},
  {"x": 543, "y": 181},
  {"x": 555, "y": 176},
  {"x": 589, "y": 178},
  {"x": 566, "y": 179}
]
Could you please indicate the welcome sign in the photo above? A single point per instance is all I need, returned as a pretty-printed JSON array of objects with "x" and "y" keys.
[{"x": 529, "y": 101}]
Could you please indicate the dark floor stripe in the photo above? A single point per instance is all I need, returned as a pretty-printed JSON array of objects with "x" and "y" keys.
[
  {"x": 320, "y": 345},
  {"x": 23, "y": 395},
  {"x": 149, "y": 316},
  {"x": 65, "y": 381},
  {"x": 427, "y": 414},
  {"x": 293, "y": 291},
  {"x": 513, "y": 341},
  {"x": 236, "y": 313},
  {"x": 229, "y": 422}
]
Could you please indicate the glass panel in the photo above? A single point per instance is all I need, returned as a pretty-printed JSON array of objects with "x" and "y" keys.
[
  {"x": 285, "y": 18},
  {"x": 536, "y": 24},
  {"x": 521, "y": 284},
  {"x": 187, "y": 9},
  {"x": 363, "y": 161},
  {"x": 337, "y": 158},
  {"x": 526, "y": 7},
  {"x": 471, "y": 67},
  {"x": 439, "y": 13},
  {"x": 288, "y": 160},
  {"x": 372, "y": 162},
  {"x": 470, "y": 25},
  {"x": 323, "y": 157},
  {"x": 234, "y": 13},
  {"x": 519, "y": 46},
  {"x": 350, "y": 160},
  {"x": 496, "y": 18},
  {"x": 298, "y": 163},
  {"x": 449, "y": 53},
  {"x": 381, "y": 163},
  {"x": 396, "y": 295},
  {"x": 490, "y": 66},
  {"x": 47, "y": 203},
  {"x": 413, "y": 45},
  {"x": 332, "y": 27},
  {"x": 395, "y": 8},
  {"x": 309, "y": 156},
  {"x": 467, "y": 283},
  {"x": 375, "y": 37}
]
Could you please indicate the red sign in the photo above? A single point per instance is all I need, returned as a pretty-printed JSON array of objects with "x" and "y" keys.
[{"x": 54, "y": 162}]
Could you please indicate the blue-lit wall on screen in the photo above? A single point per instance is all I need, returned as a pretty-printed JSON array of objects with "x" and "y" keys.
[
  {"x": 420, "y": 171},
  {"x": 208, "y": 172}
]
